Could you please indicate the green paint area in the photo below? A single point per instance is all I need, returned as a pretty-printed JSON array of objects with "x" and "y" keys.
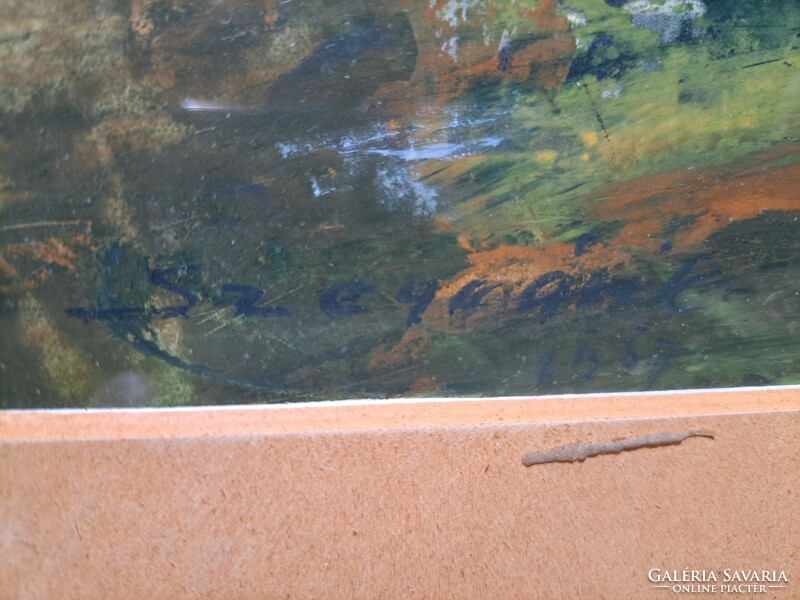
[
  {"x": 645, "y": 107},
  {"x": 237, "y": 202}
]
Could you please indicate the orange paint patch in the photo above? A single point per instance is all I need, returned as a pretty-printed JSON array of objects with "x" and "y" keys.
[
  {"x": 54, "y": 252},
  {"x": 643, "y": 235},
  {"x": 440, "y": 76},
  {"x": 521, "y": 265},
  {"x": 441, "y": 225},
  {"x": 549, "y": 60},
  {"x": 464, "y": 242},
  {"x": 547, "y": 18},
  {"x": 270, "y": 13},
  {"x": 512, "y": 269},
  {"x": 704, "y": 202},
  {"x": 37, "y": 258}
]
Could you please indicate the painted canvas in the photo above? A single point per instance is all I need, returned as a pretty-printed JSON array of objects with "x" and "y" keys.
[{"x": 237, "y": 201}]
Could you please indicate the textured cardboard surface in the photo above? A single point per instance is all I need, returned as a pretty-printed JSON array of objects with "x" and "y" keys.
[{"x": 414, "y": 500}]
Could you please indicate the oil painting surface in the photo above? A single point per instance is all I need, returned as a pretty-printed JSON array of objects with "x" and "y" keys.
[{"x": 261, "y": 201}]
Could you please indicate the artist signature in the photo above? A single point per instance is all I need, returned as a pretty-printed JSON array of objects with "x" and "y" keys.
[
  {"x": 552, "y": 292},
  {"x": 543, "y": 298}
]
